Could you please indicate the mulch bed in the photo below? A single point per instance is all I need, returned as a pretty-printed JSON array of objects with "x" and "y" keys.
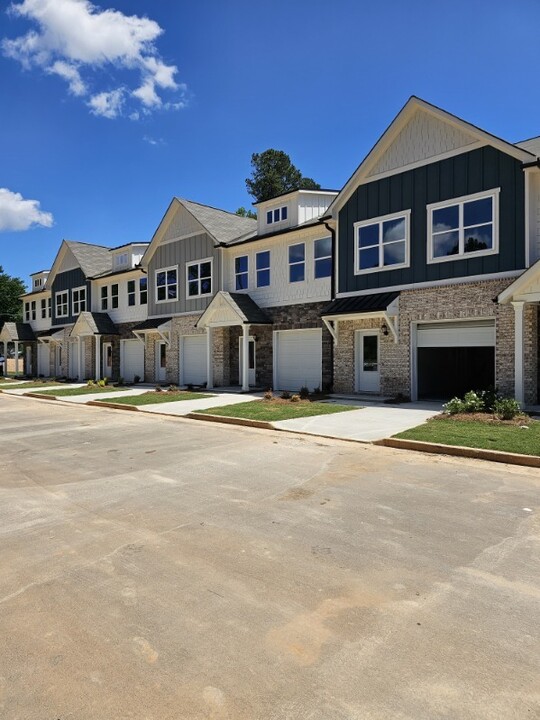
[{"x": 487, "y": 418}]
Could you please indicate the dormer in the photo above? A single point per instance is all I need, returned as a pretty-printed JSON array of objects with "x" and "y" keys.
[
  {"x": 292, "y": 209},
  {"x": 39, "y": 280},
  {"x": 126, "y": 257}
]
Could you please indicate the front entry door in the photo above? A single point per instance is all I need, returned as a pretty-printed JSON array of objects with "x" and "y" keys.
[
  {"x": 107, "y": 360},
  {"x": 161, "y": 361},
  {"x": 368, "y": 376},
  {"x": 251, "y": 355}
]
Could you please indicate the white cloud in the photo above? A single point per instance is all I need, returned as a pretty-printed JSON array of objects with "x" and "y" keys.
[
  {"x": 74, "y": 36},
  {"x": 107, "y": 104},
  {"x": 16, "y": 213},
  {"x": 153, "y": 141}
]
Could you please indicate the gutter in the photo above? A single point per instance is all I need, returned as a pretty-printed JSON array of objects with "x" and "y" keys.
[
  {"x": 533, "y": 164},
  {"x": 332, "y": 232}
]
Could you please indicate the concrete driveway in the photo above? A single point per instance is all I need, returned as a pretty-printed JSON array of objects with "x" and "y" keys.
[{"x": 162, "y": 569}]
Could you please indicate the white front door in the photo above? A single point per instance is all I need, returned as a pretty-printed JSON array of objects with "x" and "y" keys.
[
  {"x": 161, "y": 361},
  {"x": 107, "y": 360},
  {"x": 251, "y": 361},
  {"x": 368, "y": 376}
]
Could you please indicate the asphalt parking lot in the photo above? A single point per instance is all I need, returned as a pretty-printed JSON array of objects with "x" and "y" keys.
[{"x": 156, "y": 568}]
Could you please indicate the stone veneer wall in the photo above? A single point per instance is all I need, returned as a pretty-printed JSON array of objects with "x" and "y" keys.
[{"x": 452, "y": 302}]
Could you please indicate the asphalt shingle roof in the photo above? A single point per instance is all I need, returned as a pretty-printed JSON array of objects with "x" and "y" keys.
[
  {"x": 152, "y": 323},
  {"x": 222, "y": 225},
  {"x": 93, "y": 259},
  {"x": 249, "y": 308},
  {"x": 18, "y": 331},
  {"x": 532, "y": 145}
]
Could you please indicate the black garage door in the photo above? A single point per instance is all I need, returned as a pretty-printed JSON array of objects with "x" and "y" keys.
[{"x": 444, "y": 372}]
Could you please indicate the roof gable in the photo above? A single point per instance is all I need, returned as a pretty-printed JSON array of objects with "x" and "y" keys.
[{"x": 91, "y": 259}]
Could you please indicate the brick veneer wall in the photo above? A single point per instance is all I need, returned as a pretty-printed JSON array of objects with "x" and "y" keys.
[{"x": 452, "y": 302}]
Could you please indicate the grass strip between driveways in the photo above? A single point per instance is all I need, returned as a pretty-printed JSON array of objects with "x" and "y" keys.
[
  {"x": 488, "y": 436},
  {"x": 153, "y": 398},
  {"x": 63, "y": 392},
  {"x": 29, "y": 384},
  {"x": 271, "y": 411}
]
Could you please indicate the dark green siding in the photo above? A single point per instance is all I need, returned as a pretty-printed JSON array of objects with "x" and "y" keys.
[
  {"x": 472, "y": 172},
  {"x": 67, "y": 281}
]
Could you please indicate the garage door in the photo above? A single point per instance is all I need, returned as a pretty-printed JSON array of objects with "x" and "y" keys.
[
  {"x": 455, "y": 357},
  {"x": 298, "y": 359},
  {"x": 43, "y": 359},
  {"x": 132, "y": 360},
  {"x": 193, "y": 360}
]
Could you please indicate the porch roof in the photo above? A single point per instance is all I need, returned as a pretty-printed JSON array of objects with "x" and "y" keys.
[
  {"x": 525, "y": 288},
  {"x": 378, "y": 302},
  {"x": 95, "y": 323},
  {"x": 17, "y": 332},
  {"x": 233, "y": 309},
  {"x": 151, "y": 324}
]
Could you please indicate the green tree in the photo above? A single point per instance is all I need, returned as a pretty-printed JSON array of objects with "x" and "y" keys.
[
  {"x": 11, "y": 288},
  {"x": 274, "y": 174},
  {"x": 246, "y": 213}
]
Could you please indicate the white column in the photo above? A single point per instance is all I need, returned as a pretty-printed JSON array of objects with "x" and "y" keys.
[
  {"x": 16, "y": 358},
  {"x": 98, "y": 356},
  {"x": 245, "y": 358},
  {"x": 519, "y": 385},
  {"x": 79, "y": 352},
  {"x": 209, "y": 359}
]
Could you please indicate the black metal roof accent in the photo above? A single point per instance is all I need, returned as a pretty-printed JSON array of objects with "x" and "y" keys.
[
  {"x": 151, "y": 324},
  {"x": 378, "y": 302}
]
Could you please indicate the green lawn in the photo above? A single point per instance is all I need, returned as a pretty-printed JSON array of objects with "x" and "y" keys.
[
  {"x": 29, "y": 384},
  {"x": 489, "y": 436},
  {"x": 153, "y": 398},
  {"x": 62, "y": 392},
  {"x": 269, "y": 411}
]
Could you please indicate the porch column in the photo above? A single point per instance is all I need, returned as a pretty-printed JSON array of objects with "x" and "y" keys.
[
  {"x": 519, "y": 388},
  {"x": 98, "y": 357},
  {"x": 79, "y": 352},
  {"x": 16, "y": 358},
  {"x": 209, "y": 359},
  {"x": 3, "y": 353},
  {"x": 245, "y": 357}
]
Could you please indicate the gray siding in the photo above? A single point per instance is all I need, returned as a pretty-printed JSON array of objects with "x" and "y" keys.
[
  {"x": 177, "y": 254},
  {"x": 67, "y": 281}
]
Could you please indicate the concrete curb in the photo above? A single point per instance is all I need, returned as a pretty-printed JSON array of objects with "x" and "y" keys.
[
  {"x": 107, "y": 404},
  {"x": 39, "y": 396},
  {"x": 460, "y": 451},
  {"x": 230, "y": 420}
]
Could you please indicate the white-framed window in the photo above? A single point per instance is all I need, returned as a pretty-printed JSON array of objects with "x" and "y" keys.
[
  {"x": 167, "y": 284},
  {"x": 463, "y": 227},
  {"x": 262, "y": 267},
  {"x": 276, "y": 215},
  {"x": 27, "y": 312},
  {"x": 297, "y": 262},
  {"x": 241, "y": 272},
  {"x": 121, "y": 260},
  {"x": 143, "y": 290},
  {"x": 33, "y": 310},
  {"x": 199, "y": 278},
  {"x": 78, "y": 300},
  {"x": 114, "y": 296},
  {"x": 382, "y": 243},
  {"x": 38, "y": 282},
  {"x": 49, "y": 307},
  {"x": 322, "y": 252},
  {"x": 44, "y": 308},
  {"x": 132, "y": 299},
  {"x": 62, "y": 304},
  {"x": 104, "y": 298}
]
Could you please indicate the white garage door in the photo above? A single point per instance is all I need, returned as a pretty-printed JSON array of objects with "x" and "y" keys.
[
  {"x": 474, "y": 333},
  {"x": 43, "y": 359},
  {"x": 132, "y": 360},
  {"x": 298, "y": 359},
  {"x": 193, "y": 360}
]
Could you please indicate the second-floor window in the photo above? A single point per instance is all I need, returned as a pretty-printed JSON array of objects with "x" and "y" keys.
[
  {"x": 33, "y": 310},
  {"x": 143, "y": 291},
  {"x": 199, "y": 278},
  {"x": 262, "y": 262},
  {"x": 241, "y": 273},
  {"x": 166, "y": 284},
  {"x": 104, "y": 297},
  {"x": 297, "y": 262},
  {"x": 462, "y": 227},
  {"x": 382, "y": 243},
  {"x": 322, "y": 250},
  {"x": 114, "y": 296},
  {"x": 78, "y": 298},
  {"x": 27, "y": 312},
  {"x": 276, "y": 215},
  {"x": 49, "y": 307},
  {"x": 43, "y": 309},
  {"x": 62, "y": 304},
  {"x": 131, "y": 293}
]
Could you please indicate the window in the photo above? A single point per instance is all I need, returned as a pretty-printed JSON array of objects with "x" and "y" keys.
[
  {"x": 241, "y": 272},
  {"x": 462, "y": 227},
  {"x": 143, "y": 291},
  {"x": 131, "y": 293},
  {"x": 121, "y": 260},
  {"x": 62, "y": 304},
  {"x": 33, "y": 310},
  {"x": 297, "y": 262},
  {"x": 44, "y": 309},
  {"x": 114, "y": 296},
  {"x": 49, "y": 306},
  {"x": 37, "y": 282},
  {"x": 276, "y": 215},
  {"x": 199, "y": 278},
  {"x": 78, "y": 298},
  {"x": 166, "y": 284},
  {"x": 323, "y": 257},
  {"x": 27, "y": 311},
  {"x": 262, "y": 263},
  {"x": 382, "y": 243},
  {"x": 104, "y": 298}
]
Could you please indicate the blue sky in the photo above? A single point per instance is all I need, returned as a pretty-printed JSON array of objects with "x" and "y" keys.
[{"x": 222, "y": 80}]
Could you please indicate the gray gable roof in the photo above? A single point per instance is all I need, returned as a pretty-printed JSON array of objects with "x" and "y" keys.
[
  {"x": 222, "y": 225},
  {"x": 532, "y": 145},
  {"x": 93, "y": 259}
]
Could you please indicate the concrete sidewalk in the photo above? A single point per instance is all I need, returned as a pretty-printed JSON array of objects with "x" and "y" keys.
[{"x": 184, "y": 407}]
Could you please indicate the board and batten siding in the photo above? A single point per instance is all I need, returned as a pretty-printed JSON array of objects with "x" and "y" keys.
[
  {"x": 178, "y": 254},
  {"x": 471, "y": 172},
  {"x": 67, "y": 281}
]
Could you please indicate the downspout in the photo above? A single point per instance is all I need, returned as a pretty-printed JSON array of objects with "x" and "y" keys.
[{"x": 332, "y": 293}]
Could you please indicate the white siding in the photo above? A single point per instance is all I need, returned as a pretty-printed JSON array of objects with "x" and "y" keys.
[
  {"x": 313, "y": 205},
  {"x": 123, "y": 313},
  {"x": 280, "y": 290}
]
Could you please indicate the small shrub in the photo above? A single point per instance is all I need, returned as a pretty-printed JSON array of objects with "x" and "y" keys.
[
  {"x": 136, "y": 379},
  {"x": 506, "y": 408},
  {"x": 102, "y": 383},
  {"x": 304, "y": 393},
  {"x": 159, "y": 388},
  {"x": 190, "y": 387},
  {"x": 295, "y": 398},
  {"x": 268, "y": 395},
  {"x": 317, "y": 391},
  {"x": 454, "y": 406},
  {"x": 172, "y": 388},
  {"x": 285, "y": 395},
  {"x": 473, "y": 403},
  {"x": 90, "y": 383},
  {"x": 489, "y": 398},
  {"x": 120, "y": 382}
]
